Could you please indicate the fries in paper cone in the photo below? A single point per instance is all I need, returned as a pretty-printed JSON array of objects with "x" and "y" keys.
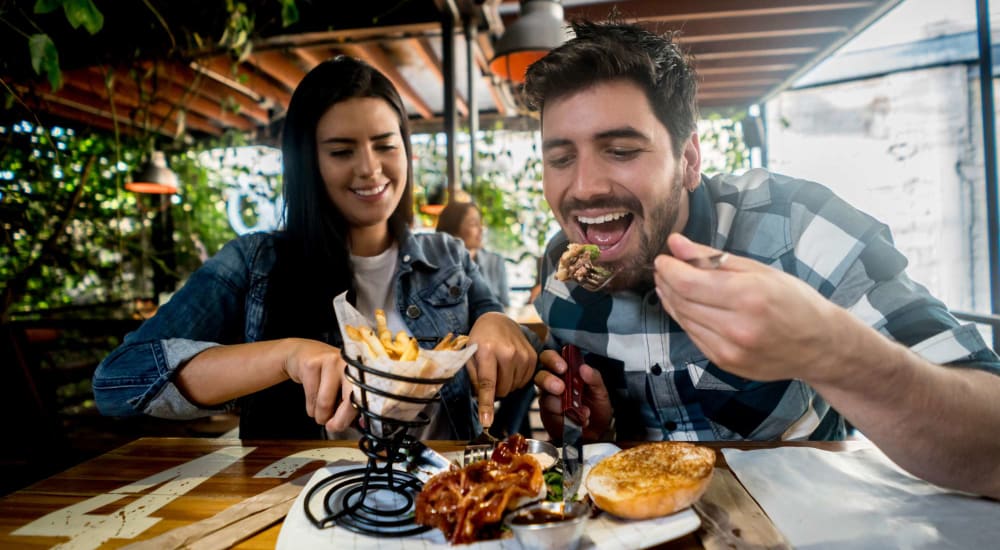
[{"x": 401, "y": 355}]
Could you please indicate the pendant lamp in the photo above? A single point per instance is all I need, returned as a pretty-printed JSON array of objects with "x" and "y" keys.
[
  {"x": 539, "y": 29},
  {"x": 155, "y": 177}
]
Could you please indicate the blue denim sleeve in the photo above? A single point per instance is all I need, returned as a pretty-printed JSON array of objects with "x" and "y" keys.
[{"x": 137, "y": 377}]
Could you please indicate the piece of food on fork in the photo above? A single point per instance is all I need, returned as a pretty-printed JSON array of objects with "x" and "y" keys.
[{"x": 578, "y": 264}]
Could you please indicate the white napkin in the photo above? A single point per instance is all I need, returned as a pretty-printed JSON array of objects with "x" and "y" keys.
[
  {"x": 605, "y": 532},
  {"x": 860, "y": 499}
]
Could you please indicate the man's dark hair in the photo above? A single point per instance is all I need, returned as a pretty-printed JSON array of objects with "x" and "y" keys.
[{"x": 603, "y": 52}]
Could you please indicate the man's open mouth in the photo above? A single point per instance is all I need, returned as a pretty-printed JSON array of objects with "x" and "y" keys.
[{"x": 605, "y": 230}]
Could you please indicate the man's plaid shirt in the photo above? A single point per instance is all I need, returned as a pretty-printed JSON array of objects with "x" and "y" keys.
[{"x": 663, "y": 387}]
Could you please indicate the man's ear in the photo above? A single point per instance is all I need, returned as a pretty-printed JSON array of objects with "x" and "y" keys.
[{"x": 691, "y": 162}]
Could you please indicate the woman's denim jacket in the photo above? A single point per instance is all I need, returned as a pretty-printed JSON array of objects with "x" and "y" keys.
[{"x": 439, "y": 289}]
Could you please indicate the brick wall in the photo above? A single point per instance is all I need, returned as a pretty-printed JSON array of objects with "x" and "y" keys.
[{"x": 907, "y": 149}]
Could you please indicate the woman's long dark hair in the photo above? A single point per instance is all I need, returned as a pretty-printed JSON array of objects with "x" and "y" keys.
[
  {"x": 312, "y": 220},
  {"x": 313, "y": 260}
]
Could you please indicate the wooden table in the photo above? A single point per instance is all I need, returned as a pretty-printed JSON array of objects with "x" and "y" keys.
[{"x": 135, "y": 493}]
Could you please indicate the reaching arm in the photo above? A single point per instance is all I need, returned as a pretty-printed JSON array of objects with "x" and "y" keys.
[
  {"x": 760, "y": 323},
  {"x": 223, "y": 373},
  {"x": 937, "y": 423}
]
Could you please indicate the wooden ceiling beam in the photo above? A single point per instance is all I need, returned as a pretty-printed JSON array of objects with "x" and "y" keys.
[
  {"x": 130, "y": 105},
  {"x": 746, "y": 69},
  {"x": 749, "y": 93},
  {"x": 76, "y": 117},
  {"x": 242, "y": 79},
  {"x": 343, "y": 36},
  {"x": 780, "y": 45},
  {"x": 812, "y": 33},
  {"x": 426, "y": 52},
  {"x": 374, "y": 56},
  {"x": 311, "y": 57},
  {"x": 687, "y": 10},
  {"x": 74, "y": 101},
  {"x": 166, "y": 91},
  {"x": 278, "y": 66},
  {"x": 842, "y": 20},
  {"x": 216, "y": 91},
  {"x": 719, "y": 83}
]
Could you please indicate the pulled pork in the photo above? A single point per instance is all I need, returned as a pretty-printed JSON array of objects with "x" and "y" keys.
[{"x": 468, "y": 504}]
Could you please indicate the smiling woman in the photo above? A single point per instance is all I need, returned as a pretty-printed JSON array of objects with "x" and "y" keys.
[{"x": 254, "y": 328}]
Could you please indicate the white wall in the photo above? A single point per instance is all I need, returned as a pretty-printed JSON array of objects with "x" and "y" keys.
[{"x": 906, "y": 148}]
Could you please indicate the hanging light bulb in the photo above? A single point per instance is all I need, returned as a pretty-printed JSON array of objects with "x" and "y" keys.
[
  {"x": 539, "y": 29},
  {"x": 155, "y": 177}
]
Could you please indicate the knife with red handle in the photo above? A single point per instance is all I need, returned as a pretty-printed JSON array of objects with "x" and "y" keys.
[{"x": 572, "y": 404}]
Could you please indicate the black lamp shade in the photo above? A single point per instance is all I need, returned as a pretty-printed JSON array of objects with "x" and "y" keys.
[
  {"x": 539, "y": 29},
  {"x": 155, "y": 177}
]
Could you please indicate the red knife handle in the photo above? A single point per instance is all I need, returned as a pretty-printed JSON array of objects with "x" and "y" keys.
[{"x": 572, "y": 397}]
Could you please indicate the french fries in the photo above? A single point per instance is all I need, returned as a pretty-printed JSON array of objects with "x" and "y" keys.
[{"x": 402, "y": 347}]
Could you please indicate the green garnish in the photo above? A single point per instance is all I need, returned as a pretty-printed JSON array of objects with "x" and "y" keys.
[
  {"x": 554, "y": 485},
  {"x": 595, "y": 253},
  {"x": 592, "y": 249}
]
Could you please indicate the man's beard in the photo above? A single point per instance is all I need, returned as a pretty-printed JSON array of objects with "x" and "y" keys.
[{"x": 637, "y": 270}]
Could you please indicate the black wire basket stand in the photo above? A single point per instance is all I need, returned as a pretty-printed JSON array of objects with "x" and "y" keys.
[{"x": 377, "y": 499}]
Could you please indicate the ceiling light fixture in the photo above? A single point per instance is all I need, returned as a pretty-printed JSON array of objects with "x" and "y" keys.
[
  {"x": 539, "y": 29},
  {"x": 155, "y": 177}
]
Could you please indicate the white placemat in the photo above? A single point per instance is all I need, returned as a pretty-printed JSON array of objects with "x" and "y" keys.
[
  {"x": 860, "y": 499},
  {"x": 604, "y": 532}
]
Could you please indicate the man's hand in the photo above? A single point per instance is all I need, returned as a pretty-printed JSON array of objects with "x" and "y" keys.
[
  {"x": 597, "y": 411},
  {"x": 749, "y": 319},
  {"x": 320, "y": 369},
  {"x": 504, "y": 361}
]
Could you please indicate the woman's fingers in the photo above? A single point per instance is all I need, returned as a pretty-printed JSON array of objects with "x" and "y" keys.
[
  {"x": 327, "y": 392},
  {"x": 345, "y": 413}
]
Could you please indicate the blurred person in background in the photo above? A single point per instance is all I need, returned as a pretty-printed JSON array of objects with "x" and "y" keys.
[{"x": 465, "y": 221}]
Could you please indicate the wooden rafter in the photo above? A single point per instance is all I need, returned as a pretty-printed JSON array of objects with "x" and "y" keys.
[
  {"x": 311, "y": 57},
  {"x": 132, "y": 103},
  {"x": 278, "y": 66},
  {"x": 216, "y": 91},
  {"x": 691, "y": 10},
  {"x": 426, "y": 52},
  {"x": 73, "y": 102},
  {"x": 241, "y": 77},
  {"x": 165, "y": 91},
  {"x": 373, "y": 55}
]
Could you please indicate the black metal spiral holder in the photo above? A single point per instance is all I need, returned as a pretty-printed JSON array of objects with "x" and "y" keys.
[{"x": 349, "y": 497}]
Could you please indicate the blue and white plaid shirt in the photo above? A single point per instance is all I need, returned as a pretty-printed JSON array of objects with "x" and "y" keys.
[{"x": 661, "y": 384}]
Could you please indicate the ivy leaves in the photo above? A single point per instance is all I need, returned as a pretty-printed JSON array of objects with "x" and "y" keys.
[
  {"x": 289, "y": 13},
  {"x": 44, "y": 56},
  {"x": 78, "y": 12}
]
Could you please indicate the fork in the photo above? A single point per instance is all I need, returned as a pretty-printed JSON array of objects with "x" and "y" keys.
[
  {"x": 479, "y": 448},
  {"x": 596, "y": 279}
]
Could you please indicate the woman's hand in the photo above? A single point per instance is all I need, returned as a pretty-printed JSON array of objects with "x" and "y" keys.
[
  {"x": 319, "y": 368},
  {"x": 597, "y": 410},
  {"x": 505, "y": 361}
]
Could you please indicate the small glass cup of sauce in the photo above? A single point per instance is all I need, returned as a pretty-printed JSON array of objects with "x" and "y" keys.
[{"x": 549, "y": 526}]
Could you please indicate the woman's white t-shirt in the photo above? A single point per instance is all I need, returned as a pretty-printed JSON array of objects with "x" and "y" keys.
[{"x": 374, "y": 283}]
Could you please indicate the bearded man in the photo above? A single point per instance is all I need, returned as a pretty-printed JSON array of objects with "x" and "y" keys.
[{"x": 809, "y": 317}]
